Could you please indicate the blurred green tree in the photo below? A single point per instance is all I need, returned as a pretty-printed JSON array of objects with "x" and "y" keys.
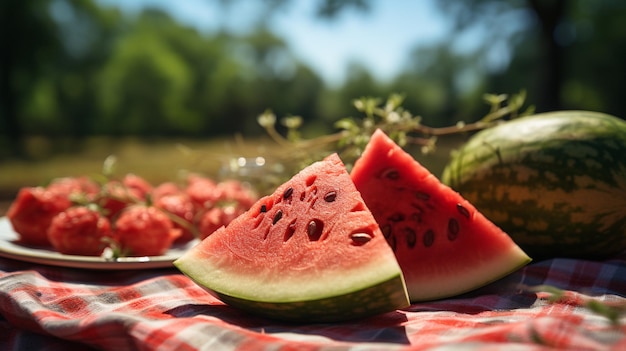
[
  {"x": 21, "y": 62},
  {"x": 359, "y": 83},
  {"x": 87, "y": 33},
  {"x": 532, "y": 21},
  {"x": 594, "y": 38},
  {"x": 567, "y": 54},
  {"x": 435, "y": 82},
  {"x": 73, "y": 68},
  {"x": 145, "y": 84}
]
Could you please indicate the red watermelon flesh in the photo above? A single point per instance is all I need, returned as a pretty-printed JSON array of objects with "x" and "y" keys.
[
  {"x": 444, "y": 246},
  {"x": 310, "y": 252}
]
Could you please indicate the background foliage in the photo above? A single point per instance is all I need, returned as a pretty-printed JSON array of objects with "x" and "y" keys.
[{"x": 72, "y": 69}]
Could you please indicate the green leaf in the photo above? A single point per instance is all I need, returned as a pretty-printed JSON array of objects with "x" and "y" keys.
[{"x": 346, "y": 124}]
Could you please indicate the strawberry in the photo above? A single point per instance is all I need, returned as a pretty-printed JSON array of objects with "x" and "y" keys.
[
  {"x": 235, "y": 191},
  {"x": 32, "y": 211},
  {"x": 144, "y": 231},
  {"x": 213, "y": 219},
  {"x": 164, "y": 189},
  {"x": 138, "y": 185},
  {"x": 115, "y": 196},
  {"x": 181, "y": 211},
  {"x": 79, "y": 231},
  {"x": 70, "y": 186},
  {"x": 202, "y": 191}
]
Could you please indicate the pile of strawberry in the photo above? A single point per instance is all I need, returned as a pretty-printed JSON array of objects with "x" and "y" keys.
[{"x": 78, "y": 216}]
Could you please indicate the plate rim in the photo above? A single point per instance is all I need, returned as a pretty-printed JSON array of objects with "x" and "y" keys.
[{"x": 12, "y": 250}]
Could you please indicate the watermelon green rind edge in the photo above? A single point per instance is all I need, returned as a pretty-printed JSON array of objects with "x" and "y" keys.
[
  {"x": 368, "y": 299},
  {"x": 494, "y": 269},
  {"x": 563, "y": 220},
  {"x": 386, "y": 296},
  {"x": 381, "y": 298},
  {"x": 268, "y": 287}
]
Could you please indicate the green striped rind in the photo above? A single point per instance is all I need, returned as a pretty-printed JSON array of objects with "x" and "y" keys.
[
  {"x": 366, "y": 290},
  {"x": 384, "y": 297},
  {"x": 555, "y": 182}
]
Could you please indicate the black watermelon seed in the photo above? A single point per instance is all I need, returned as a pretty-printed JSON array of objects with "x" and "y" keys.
[
  {"x": 429, "y": 238},
  {"x": 331, "y": 196},
  {"x": 314, "y": 229},
  {"x": 263, "y": 208},
  {"x": 360, "y": 238},
  {"x": 410, "y": 236},
  {"x": 462, "y": 210},
  {"x": 453, "y": 229},
  {"x": 277, "y": 216},
  {"x": 391, "y": 173},
  {"x": 287, "y": 193}
]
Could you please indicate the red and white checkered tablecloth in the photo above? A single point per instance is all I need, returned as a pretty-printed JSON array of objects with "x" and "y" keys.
[{"x": 51, "y": 308}]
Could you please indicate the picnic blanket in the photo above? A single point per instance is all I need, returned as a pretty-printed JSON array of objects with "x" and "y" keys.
[{"x": 52, "y": 308}]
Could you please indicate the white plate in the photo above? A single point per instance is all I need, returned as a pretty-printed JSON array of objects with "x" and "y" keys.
[{"x": 10, "y": 248}]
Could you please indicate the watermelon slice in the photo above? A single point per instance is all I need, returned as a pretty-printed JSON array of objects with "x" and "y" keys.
[
  {"x": 310, "y": 252},
  {"x": 444, "y": 246}
]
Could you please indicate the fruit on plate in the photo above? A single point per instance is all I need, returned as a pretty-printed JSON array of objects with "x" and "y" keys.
[
  {"x": 193, "y": 208},
  {"x": 309, "y": 252},
  {"x": 80, "y": 230},
  {"x": 216, "y": 217},
  {"x": 444, "y": 246},
  {"x": 181, "y": 210},
  {"x": 144, "y": 231},
  {"x": 32, "y": 211},
  {"x": 555, "y": 182}
]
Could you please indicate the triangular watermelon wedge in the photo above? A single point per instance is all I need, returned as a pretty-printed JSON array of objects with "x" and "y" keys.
[
  {"x": 444, "y": 246},
  {"x": 310, "y": 252}
]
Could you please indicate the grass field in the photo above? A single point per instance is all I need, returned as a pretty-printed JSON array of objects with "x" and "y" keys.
[{"x": 157, "y": 160}]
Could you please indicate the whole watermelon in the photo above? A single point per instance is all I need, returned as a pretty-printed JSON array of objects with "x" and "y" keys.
[{"x": 555, "y": 182}]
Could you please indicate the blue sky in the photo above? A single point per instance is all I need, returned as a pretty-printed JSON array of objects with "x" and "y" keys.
[{"x": 380, "y": 39}]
